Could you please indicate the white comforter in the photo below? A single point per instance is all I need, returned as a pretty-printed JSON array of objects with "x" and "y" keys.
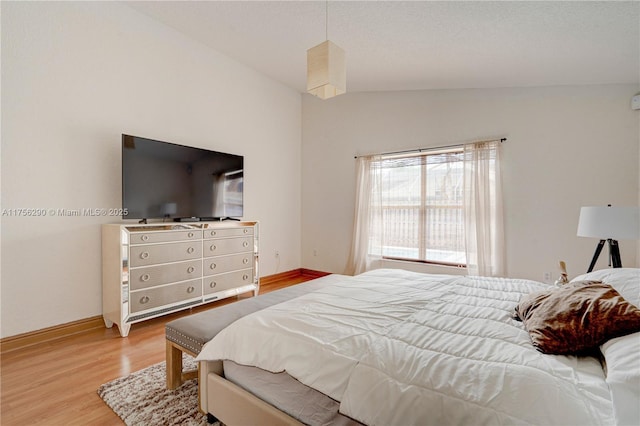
[{"x": 401, "y": 348}]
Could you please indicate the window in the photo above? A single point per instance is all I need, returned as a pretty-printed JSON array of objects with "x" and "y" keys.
[
  {"x": 418, "y": 215},
  {"x": 439, "y": 207}
]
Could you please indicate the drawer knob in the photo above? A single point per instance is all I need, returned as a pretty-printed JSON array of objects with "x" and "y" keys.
[
  {"x": 245, "y": 277},
  {"x": 145, "y": 277},
  {"x": 190, "y": 234},
  {"x": 190, "y": 269},
  {"x": 144, "y": 238},
  {"x": 212, "y": 266},
  {"x": 190, "y": 289},
  {"x": 213, "y": 284},
  {"x": 213, "y": 233},
  {"x": 213, "y": 247},
  {"x": 245, "y": 260},
  {"x": 190, "y": 250},
  {"x": 245, "y": 244},
  {"x": 144, "y": 299},
  {"x": 144, "y": 255},
  {"x": 246, "y": 231}
]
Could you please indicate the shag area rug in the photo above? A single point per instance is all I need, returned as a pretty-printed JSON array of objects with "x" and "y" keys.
[{"x": 142, "y": 398}]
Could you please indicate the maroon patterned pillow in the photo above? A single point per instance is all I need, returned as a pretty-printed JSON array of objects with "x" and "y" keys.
[{"x": 576, "y": 317}]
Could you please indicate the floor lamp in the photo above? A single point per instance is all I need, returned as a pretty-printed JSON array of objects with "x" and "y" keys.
[{"x": 610, "y": 224}]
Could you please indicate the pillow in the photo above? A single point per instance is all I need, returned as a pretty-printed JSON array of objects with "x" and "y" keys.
[
  {"x": 621, "y": 354},
  {"x": 626, "y": 281},
  {"x": 577, "y": 317}
]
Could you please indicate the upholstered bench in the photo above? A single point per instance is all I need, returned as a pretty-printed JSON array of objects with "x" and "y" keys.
[{"x": 189, "y": 334}]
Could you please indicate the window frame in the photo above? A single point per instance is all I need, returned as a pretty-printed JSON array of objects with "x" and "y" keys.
[{"x": 423, "y": 208}]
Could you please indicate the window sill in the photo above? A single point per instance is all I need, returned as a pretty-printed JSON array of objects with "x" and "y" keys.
[{"x": 427, "y": 268}]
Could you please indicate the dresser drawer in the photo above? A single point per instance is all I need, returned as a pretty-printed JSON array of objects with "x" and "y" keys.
[
  {"x": 165, "y": 236},
  {"x": 228, "y": 232},
  {"x": 159, "y": 296},
  {"x": 221, "y": 264},
  {"x": 227, "y": 246},
  {"x": 227, "y": 281},
  {"x": 164, "y": 274},
  {"x": 162, "y": 253}
]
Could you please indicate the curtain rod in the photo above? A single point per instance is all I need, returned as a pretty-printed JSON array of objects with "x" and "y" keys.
[{"x": 435, "y": 148}]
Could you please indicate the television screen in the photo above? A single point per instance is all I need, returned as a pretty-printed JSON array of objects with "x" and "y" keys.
[{"x": 166, "y": 180}]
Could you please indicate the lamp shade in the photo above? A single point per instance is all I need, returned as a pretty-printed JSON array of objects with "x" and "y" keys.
[
  {"x": 326, "y": 70},
  {"x": 616, "y": 223}
]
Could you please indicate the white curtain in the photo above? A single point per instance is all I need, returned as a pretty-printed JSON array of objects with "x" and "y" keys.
[
  {"x": 365, "y": 251},
  {"x": 483, "y": 217}
]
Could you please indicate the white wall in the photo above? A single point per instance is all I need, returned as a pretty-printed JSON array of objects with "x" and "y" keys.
[
  {"x": 567, "y": 147},
  {"x": 75, "y": 75}
]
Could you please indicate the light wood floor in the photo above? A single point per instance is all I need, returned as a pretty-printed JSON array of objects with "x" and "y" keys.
[{"x": 55, "y": 383}]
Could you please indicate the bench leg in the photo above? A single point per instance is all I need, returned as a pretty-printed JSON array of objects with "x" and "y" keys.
[{"x": 174, "y": 366}]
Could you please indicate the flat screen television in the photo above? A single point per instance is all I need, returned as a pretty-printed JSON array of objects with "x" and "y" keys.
[{"x": 171, "y": 181}]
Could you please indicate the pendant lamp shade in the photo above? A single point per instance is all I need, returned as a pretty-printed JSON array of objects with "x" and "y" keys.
[{"x": 326, "y": 70}]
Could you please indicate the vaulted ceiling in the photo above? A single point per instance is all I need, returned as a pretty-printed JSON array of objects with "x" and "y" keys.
[{"x": 411, "y": 45}]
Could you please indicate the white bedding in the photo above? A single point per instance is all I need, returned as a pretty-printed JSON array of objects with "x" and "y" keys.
[{"x": 402, "y": 348}]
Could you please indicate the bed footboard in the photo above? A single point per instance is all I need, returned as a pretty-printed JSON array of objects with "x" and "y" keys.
[{"x": 232, "y": 405}]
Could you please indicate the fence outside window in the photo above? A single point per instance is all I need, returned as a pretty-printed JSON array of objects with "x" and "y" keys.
[{"x": 420, "y": 208}]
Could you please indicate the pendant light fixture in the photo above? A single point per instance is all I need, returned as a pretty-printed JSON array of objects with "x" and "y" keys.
[{"x": 326, "y": 69}]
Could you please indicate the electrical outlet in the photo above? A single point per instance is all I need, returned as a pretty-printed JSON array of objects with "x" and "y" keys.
[
  {"x": 547, "y": 277},
  {"x": 277, "y": 253}
]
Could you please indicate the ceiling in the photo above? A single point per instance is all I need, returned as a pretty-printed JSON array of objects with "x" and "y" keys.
[{"x": 413, "y": 45}]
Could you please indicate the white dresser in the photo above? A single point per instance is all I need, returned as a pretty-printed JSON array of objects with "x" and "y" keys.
[{"x": 154, "y": 269}]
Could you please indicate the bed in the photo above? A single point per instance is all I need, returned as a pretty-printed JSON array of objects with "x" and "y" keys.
[
  {"x": 393, "y": 347},
  {"x": 188, "y": 335}
]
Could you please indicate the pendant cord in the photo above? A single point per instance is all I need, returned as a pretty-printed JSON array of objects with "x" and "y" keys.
[{"x": 326, "y": 21}]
